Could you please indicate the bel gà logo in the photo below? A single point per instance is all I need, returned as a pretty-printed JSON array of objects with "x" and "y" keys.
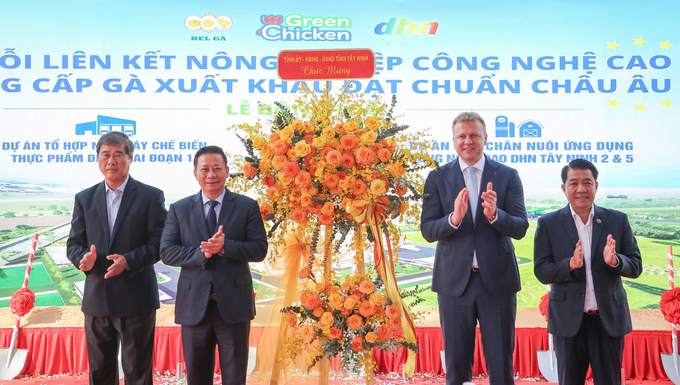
[
  {"x": 208, "y": 22},
  {"x": 304, "y": 28}
]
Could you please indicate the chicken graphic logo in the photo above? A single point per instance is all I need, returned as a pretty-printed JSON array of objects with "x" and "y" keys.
[{"x": 208, "y": 22}]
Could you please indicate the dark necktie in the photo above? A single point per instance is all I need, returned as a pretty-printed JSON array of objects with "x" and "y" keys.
[{"x": 212, "y": 217}]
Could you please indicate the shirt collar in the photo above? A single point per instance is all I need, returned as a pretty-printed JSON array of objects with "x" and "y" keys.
[
  {"x": 121, "y": 188},
  {"x": 219, "y": 198},
  {"x": 578, "y": 218},
  {"x": 479, "y": 165}
]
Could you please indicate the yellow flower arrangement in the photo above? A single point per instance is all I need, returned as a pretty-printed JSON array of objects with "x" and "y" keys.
[{"x": 343, "y": 148}]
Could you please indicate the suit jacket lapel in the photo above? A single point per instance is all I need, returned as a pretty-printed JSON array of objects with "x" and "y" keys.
[
  {"x": 569, "y": 225},
  {"x": 100, "y": 203},
  {"x": 227, "y": 208},
  {"x": 489, "y": 175},
  {"x": 125, "y": 203},
  {"x": 598, "y": 225},
  {"x": 199, "y": 216}
]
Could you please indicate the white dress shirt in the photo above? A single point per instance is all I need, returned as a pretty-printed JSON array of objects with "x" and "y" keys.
[
  {"x": 113, "y": 198},
  {"x": 479, "y": 169},
  {"x": 585, "y": 234}
]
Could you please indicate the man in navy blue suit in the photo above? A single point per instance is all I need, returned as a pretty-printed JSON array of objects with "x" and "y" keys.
[
  {"x": 213, "y": 235},
  {"x": 114, "y": 239},
  {"x": 583, "y": 250},
  {"x": 473, "y": 207}
]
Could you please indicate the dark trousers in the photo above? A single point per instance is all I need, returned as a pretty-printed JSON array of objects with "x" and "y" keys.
[
  {"x": 198, "y": 345},
  {"x": 136, "y": 336},
  {"x": 591, "y": 345},
  {"x": 496, "y": 317}
]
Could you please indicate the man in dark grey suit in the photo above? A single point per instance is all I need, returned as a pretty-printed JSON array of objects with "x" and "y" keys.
[
  {"x": 583, "y": 250},
  {"x": 115, "y": 236},
  {"x": 213, "y": 235},
  {"x": 475, "y": 271}
]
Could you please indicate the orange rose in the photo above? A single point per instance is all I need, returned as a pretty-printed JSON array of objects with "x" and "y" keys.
[
  {"x": 357, "y": 344},
  {"x": 369, "y": 138},
  {"x": 326, "y": 320},
  {"x": 249, "y": 171},
  {"x": 384, "y": 332},
  {"x": 302, "y": 148},
  {"x": 279, "y": 161},
  {"x": 318, "y": 312},
  {"x": 350, "y": 302},
  {"x": 354, "y": 321},
  {"x": 265, "y": 210},
  {"x": 378, "y": 187},
  {"x": 299, "y": 216},
  {"x": 287, "y": 133},
  {"x": 400, "y": 190},
  {"x": 274, "y": 137},
  {"x": 306, "y": 200},
  {"x": 274, "y": 193},
  {"x": 325, "y": 220},
  {"x": 366, "y": 309},
  {"x": 393, "y": 312},
  {"x": 391, "y": 142},
  {"x": 403, "y": 207},
  {"x": 298, "y": 126},
  {"x": 292, "y": 155},
  {"x": 305, "y": 272},
  {"x": 312, "y": 302},
  {"x": 319, "y": 142},
  {"x": 359, "y": 187},
  {"x": 371, "y": 337},
  {"x": 291, "y": 169},
  {"x": 364, "y": 155},
  {"x": 335, "y": 300},
  {"x": 285, "y": 180},
  {"x": 320, "y": 287},
  {"x": 347, "y": 286},
  {"x": 266, "y": 151},
  {"x": 328, "y": 208},
  {"x": 314, "y": 208},
  {"x": 377, "y": 299},
  {"x": 351, "y": 126},
  {"x": 371, "y": 123},
  {"x": 334, "y": 158},
  {"x": 397, "y": 170},
  {"x": 334, "y": 333},
  {"x": 349, "y": 142},
  {"x": 303, "y": 179},
  {"x": 395, "y": 324},
  {"x": 384, "y": 155},
  {"x": 306, "y": 332},
  {"x": 328, "y": 132},
  {"x": 331, "y": 180},
  {"x": 279, "y": 147},
  {"x": 265, "y": 165},
  {"x": 340, "y": 129},
  {"x": 258, "y": 142},
  {"x": 347, "y": 160},
  {"x": 367, "y": 287}
]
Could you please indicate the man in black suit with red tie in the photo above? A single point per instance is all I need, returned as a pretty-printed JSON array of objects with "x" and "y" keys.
[
  {"x": 473, "y": 207},
  {"x": 583, "y": 250},
  {"x": 115, "y": 237},
  {"x": 213, "y": 235}
]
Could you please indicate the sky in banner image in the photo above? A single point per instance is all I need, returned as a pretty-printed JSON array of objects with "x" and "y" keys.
[{"x": 554, "y": 80}]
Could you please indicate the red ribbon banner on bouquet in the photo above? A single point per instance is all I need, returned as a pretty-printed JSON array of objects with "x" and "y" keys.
[{"x": 326, "y": 64}]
